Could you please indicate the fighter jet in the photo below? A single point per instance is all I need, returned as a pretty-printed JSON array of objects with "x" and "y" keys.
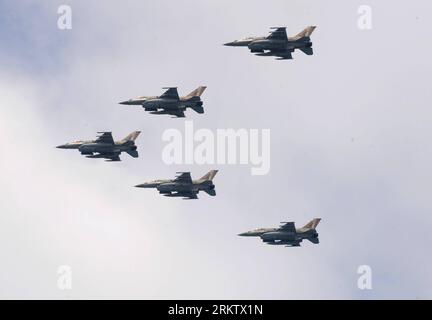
[
  {"x": 105, "y": 147},
  {"x": 277, "y": 44},
  {"x": 170, "y": 102},
  {"x": 286, "y": 234},
  {"x": 183, "y": 185}
]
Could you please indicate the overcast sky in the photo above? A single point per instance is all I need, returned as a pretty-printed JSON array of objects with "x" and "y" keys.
[{"x": 350, "y": 143}]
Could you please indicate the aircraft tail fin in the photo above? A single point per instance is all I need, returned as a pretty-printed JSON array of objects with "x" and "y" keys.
[
  {"x": 210, "y": 175},
  {"x": 197, "y": 92},
  {"x": 312, "y": 224},
  {"x": 305, "y": 33},
  {"x": 132, "y": 136}
]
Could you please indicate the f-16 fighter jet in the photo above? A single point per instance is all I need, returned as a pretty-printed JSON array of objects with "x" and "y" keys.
[
  {"x": 286, "y": 234},
  {"x": 183, "y": 185},
  {"x": 170, "y": 102},
  {"x": 277, "y": 44},
  {"x": 105, "y": 147}
]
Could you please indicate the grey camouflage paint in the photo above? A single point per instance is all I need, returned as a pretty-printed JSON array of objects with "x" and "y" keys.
[
  {"x": 170, "y": 102},
  {"x": 286, "y": 234},
  {"x": 277, "y": 44},
  {"x": 105, "y": 147},
  {"x": 183, "y": 185}
]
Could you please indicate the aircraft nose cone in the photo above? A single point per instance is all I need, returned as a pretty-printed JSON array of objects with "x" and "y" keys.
[
  {"x": 145, "y": 185},
  {"x": 244, "y": 234},
  {"x": 229, "y": 44},
  {"x": 62, "y": 146},
  {"x": 124, "y": 102}
]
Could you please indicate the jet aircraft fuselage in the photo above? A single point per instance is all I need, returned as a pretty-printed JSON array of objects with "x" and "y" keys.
[
  {"x": 105, "y": 147},
  {"x": 287, "y": 234},
  {"x": 170, "y": 102},
  {"x": 277, "y": 43},
  {"x": 92, "y": 147},
  {"x": 183, "y": 185}
]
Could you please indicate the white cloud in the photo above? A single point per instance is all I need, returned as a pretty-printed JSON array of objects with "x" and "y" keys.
[{"x": 349, "y": 144}]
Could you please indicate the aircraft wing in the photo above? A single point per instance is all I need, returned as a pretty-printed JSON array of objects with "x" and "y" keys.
[
  {"x": 184, "y": 177},
  {"x": 105, "y": 137},
  {"x": 171, "y": 93},
  {"x": 288, "y": 227},
  {"x": 278, "y": 34}
]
